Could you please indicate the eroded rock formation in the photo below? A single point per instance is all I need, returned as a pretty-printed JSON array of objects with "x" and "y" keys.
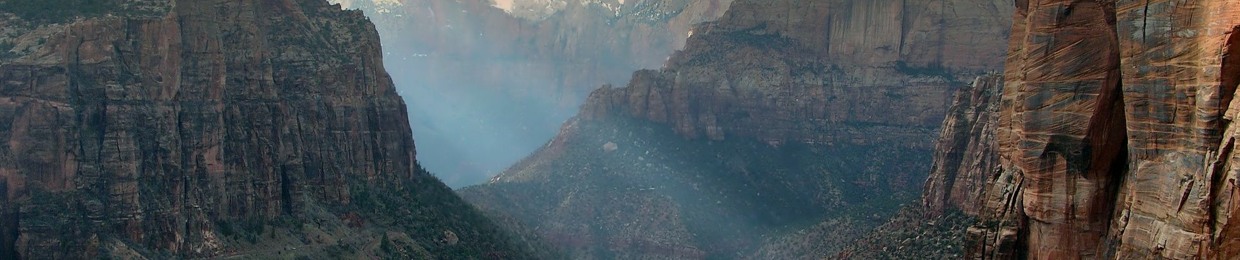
[
  {"x": 1113, "y": 135},
  {"x": 967, "y": 152},
  {"x": 800, "y": 70},
  {"x": 522, "y": 71},
  {"x": 161, "y": 134},
  {"x": 779, "y": 115}
]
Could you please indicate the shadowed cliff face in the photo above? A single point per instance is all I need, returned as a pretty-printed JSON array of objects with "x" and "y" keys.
[
  {"x": 777, "y": 120},
  {"x": 1112, "y": 133},
  {"x": 216, "y": 129},
  {"x": 486, "y": 87}
]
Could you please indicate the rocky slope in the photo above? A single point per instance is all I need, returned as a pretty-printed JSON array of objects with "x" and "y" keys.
[
  {"x": 256, "y": 128},
  {"x": 967, "y": 154},
  {"x": 778, "y": 119},
  {"x": 1111, "y": 137},
  {"x": 522, "y": 71}
]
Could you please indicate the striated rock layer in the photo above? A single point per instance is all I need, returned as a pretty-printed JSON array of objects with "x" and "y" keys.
[
  {"x": 161, "y": 135},
  {"x": 779, "y": 118},
  {"x": 966, "y": 154},
  {"x": 797, "y": 72},
  {"x": 1113, "y": 135}
]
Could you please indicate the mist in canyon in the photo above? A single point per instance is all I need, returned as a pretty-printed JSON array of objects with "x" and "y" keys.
[
  {"x": 466, "y": 131},
  {"x": 487, "y": 83},
  {"x": 619, "y": 129}
]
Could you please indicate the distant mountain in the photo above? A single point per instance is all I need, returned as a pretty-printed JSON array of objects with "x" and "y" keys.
[
  {"x": 779, "y": 119},
  {"x": 187, "y": 129},
  {"x": 487, "y": 86}
]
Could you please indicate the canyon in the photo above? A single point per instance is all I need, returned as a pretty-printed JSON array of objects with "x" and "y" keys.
[
  {"x": 776, "y": 129},
  {"x": 765, "y": 125},
  {"x": 486, "y": 86},
  {"x": 196, "y": 129}
]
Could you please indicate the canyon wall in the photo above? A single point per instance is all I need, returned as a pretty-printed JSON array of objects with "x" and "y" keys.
[
  {"x": 507, "y": 78},
  {"x": 160, "y": 134},
  {"x": 781, "y": 117},
  {"x": 1112, "y": 135},
  {"x": 796, "y": 72}
]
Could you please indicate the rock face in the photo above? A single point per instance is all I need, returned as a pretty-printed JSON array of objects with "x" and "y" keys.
[
  {"x": 777, "y": 116},
  {"x": 800, "y": 81},
  {"x": 1112, "y": 134},
  {"x": 579, "y": 46},
  {"x": 523, "y": 71},
  {"x": 966, "y": 155},
  {"x": 159, "y": 134}
]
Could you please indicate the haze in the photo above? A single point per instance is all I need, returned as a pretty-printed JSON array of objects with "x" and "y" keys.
[{"x": 486, "y": 84}]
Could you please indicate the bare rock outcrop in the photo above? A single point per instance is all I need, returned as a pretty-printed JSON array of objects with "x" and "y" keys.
[
  {"x": 967, "y": 151},
  {"x": 773, "y": 118},
  {"x": 808, "y": 72},
  {"x": 1113, "y": 135},
  {"x": 157, "y": 135}
]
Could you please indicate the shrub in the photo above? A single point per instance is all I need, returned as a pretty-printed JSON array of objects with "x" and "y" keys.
[{"x": 56, "y": 11}]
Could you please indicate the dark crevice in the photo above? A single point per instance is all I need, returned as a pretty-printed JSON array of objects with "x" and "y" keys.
[
  {"x": 286, "y": 194},
  {"x": 1230, "y": 70},
  {"x": 1114, "y": 147},
  {"x": 1115, "y": 179},
  {"x": 1216, "y": 181},
  {"x": 1184, "y": 196},
  {"x": 1019, "y": 248},
  {"x": 1228, "y": 81},
  {"x": 8, "y": 235},
  {"x": 8, "y": 224}
]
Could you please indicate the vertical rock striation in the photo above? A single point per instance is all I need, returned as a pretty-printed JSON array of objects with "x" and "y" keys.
[
  {"x": 802, "y": 70},
  {"x": 153, "y": 136},
  {"x": 966, "y": 153},
  {"x": 1113, "y": 135}
]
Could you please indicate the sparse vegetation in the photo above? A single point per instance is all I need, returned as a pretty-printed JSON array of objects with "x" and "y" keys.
[
  {"x": 731, "y": 195},
  {"x": 913, "y": 234},
  {"x": 425, "y": 209},
  {"x": 933, "y": 70},
  {"x": 6, "y": 50},
  {"x": 56, "y": 11}
]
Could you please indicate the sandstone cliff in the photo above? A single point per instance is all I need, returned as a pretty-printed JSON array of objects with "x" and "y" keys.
[
  {"x": 214, "y": 128},
  {"x": 762, "y": 128},
  {"x": 522, "y": 74},
  {"x": 1112, "y": 135},
  {"x": 966, "y": 155},
  {"x": 801, "y": 81}
]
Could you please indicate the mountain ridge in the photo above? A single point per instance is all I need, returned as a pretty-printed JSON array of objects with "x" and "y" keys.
[
  {"x": 757, "y": 129},
  {"x": 522, "y": 77}
]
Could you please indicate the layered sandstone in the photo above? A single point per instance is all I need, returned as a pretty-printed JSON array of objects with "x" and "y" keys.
[
  {"x": 154, "y": 135},
  {"x": 966, "y": 154},
  {"x": 1113, "y": 135},
  {"x": 777, "y": 116},
  {"x": 803, "y": 70}
]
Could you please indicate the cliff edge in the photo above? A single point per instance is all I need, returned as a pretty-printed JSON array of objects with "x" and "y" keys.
[{"x": 184, "y": 129}]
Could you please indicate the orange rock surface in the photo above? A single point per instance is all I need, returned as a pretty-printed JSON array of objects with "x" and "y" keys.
[{"x": 1113, "y": 134}]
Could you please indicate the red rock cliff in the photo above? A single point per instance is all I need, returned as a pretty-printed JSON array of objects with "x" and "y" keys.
[
  {"x": 1112, "y": 134},
  {"x": 802, "y": 72},
  {"x": 521, "y": 74},
  {"x": 152, "y": 135},
  {"x": 778, "y": 115}
]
